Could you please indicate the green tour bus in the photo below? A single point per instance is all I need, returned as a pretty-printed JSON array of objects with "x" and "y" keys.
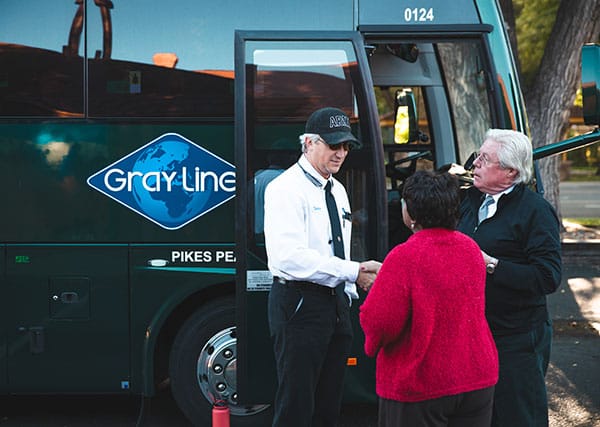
[{"x": 131, "y": 248}]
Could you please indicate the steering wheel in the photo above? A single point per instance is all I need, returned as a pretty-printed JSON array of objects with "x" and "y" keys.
[{"x": 395, "y": 171}]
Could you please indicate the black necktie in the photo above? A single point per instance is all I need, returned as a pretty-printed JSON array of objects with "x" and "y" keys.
[
  {"x": 336, "y": 236},
  {"x": 334, "y": 219}
]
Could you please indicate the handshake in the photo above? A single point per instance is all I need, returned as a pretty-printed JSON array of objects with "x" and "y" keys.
[{"x": 367, "y": 272}]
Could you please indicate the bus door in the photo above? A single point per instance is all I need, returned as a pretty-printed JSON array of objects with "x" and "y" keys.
[
  {"x": 66, "y": 316},
  {"x": 442, "y": 81},
  {"x": 281, "y": 78}
]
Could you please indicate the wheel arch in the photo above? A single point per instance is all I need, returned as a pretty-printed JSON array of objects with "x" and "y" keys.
[{"x": 162, "y": 329}]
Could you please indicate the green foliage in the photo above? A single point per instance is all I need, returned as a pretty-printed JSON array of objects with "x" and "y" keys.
[
  {"x": 586, "y": 222},
  {"x": 583, "y": 173},
  {"x": 534, "y": 22}
]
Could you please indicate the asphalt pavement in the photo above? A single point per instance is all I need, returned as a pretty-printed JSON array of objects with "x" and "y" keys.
[
  {"x": 579, "y": 199},
  {"x": 573, "y": 378}
]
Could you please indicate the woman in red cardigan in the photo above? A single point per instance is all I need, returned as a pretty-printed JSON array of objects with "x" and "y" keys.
[{"x": 424, "y": 317}]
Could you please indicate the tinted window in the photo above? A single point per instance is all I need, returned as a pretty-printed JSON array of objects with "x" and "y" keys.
[
  {"x": 39, "y": 75},
  {"x": 465, "y": 78},
  {"x": 150, "y": 62},
  {"x": 287, "y": 81},
  {"x": 144, "y": 59},
  {"x": 176, "y": 59}
]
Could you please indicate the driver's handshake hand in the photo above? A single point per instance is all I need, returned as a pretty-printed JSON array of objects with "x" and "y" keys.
[
  {"x": 367, "y": 273},
  {"x": 370, "y": 266}
]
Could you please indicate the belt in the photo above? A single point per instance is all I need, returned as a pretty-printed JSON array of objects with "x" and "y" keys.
[{"x": 307, "y": 286}]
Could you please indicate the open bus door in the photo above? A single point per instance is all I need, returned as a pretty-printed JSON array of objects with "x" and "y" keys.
[{"x": 281, "y": 78}]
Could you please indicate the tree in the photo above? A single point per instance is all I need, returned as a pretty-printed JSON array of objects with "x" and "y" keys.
[{"x": 550, "y": 88}]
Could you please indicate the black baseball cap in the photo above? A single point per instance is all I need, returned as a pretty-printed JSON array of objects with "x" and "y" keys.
[{"x": 333, "y": 125}]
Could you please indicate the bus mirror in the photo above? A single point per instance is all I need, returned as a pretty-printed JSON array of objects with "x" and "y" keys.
[
  {"x": 405, "y": 117},
  {"x": 590, "y": 83},
  {"x": 469, "y": 163}
]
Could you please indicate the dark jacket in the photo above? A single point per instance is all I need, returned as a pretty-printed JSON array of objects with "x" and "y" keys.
[{"x": 524, "y": 235}]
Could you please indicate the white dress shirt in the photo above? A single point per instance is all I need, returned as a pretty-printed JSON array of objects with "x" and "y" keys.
[{"x": 298, "y": 233}]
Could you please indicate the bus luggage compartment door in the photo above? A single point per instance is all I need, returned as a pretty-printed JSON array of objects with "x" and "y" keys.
[{"x": 67, "y": 319}]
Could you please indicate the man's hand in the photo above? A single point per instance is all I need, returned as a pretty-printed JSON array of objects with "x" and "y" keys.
[
  {"x": 487, "y": 258},
  {"x": 370, "y": 266},
  {"x": 367, "y": 273}
]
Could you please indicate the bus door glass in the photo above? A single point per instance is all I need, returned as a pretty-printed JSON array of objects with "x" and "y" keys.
[
  {"x": 281, "y": 78},
  {"x": 3, "y": 373},
  {"x": 435, "y": 103}
]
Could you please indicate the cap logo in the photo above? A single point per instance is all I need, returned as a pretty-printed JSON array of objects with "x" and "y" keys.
[{"x": 338, "y": 121}]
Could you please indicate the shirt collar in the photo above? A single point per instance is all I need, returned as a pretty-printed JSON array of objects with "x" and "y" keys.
[
  {"x": 500, "y": 194},
  {"x": 311, "y": 173}
]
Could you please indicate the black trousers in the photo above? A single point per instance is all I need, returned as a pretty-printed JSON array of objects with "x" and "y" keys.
[
  {"x": 472, "y": 409},
  {"x": 312, "y": 335},
  {"x": 520, "y": 399}
]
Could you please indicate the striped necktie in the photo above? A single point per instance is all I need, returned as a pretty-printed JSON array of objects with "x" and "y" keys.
[{"x": 483, "y": 209}]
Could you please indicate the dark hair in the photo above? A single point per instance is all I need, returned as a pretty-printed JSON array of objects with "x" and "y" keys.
[{"x": 432, "y": 199}]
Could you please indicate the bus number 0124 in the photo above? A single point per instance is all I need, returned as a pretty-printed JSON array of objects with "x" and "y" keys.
[{"x": 418, "y": 14}]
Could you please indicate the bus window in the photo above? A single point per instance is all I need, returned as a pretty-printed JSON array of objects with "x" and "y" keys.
[
  {"x": 38, "y": 75},
  {"x": 153, "y": 69},
  {"x": 289, "y": 81},
  {"x": 465, "y": 78},
  {"x": 442, "y": 87}
]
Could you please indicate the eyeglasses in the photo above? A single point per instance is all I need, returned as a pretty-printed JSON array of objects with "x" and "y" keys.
[
  {"x": 335, "y": 147},
  {"x": 485, "y": 160}
]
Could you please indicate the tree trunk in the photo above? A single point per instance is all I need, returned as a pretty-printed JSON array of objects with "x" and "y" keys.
[{"x": 552, "y": 93}]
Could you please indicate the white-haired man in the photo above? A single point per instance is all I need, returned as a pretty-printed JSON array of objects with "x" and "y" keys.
[{"x": 518, "y": 232}]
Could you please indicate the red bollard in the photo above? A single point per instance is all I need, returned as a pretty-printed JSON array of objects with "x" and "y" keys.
[{"x": 220, "y": 414}]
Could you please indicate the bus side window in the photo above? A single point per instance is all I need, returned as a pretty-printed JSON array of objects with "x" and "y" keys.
[{"x": 38, "y": 76}]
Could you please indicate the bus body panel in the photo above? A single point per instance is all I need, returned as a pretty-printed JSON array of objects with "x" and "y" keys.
[
  {"x": 417, "y": 12},
  {"x": 54, "y": 161}
]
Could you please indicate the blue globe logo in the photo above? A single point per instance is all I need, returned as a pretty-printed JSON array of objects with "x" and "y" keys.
[
  {"x": 170, "y": 181},
  {"x": 173, "y": 203}
]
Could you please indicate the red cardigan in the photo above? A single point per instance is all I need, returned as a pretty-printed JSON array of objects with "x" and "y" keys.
[{"x": 424, "y": 318}]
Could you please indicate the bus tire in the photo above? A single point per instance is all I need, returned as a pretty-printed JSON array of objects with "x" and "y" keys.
[{"x": 202, "y": 367}]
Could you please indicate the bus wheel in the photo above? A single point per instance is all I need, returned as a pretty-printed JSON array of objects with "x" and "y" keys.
[{"x": 202, "y": 367}]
